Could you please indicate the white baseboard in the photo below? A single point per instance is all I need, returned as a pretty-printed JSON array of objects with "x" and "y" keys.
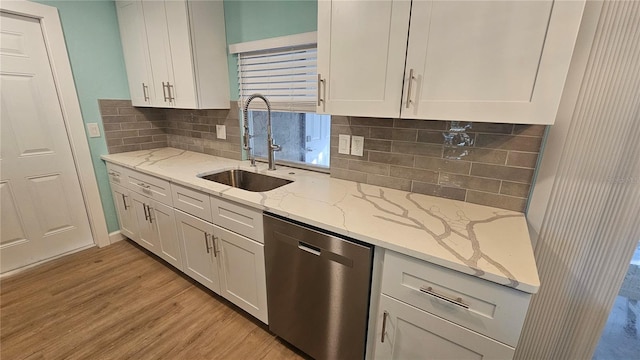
[
  {"x": 116, "y": 236},
  {"x": 26, "y": 267}
]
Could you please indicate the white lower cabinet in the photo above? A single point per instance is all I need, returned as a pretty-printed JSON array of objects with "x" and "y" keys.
[
  {"x": 146, "y": 229},
  {"x": 124, "y": 210},
  {"x": 242, "y": 272},
  {"x": 163, "y": 217},
  {"x": 200, "y": 258},
  {"x": 406, "y": 332}
]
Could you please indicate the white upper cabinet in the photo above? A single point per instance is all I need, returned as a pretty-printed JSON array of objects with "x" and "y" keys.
[
  {"x": 361, "y": 54},
  {"x": 183, "y": 46},
  {"x": 483, "y": 61}
]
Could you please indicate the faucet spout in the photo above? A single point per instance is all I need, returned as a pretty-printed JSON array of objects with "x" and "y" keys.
[{"x": 271, "y": 145}]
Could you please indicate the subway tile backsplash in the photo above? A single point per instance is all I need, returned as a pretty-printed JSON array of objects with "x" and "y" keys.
[{"x": 411, "y": 155}]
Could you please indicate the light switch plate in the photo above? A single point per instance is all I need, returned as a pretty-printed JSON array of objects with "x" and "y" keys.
[
  {"x": 93, "y": 129},
  {"x": 344, "y": 144},
  {"x": 357, "y": 145},
  {"x": 221, "y": 131}
]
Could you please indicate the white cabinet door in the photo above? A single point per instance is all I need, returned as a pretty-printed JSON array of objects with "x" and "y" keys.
[
  {"x": 361, "y": 55},
  {"x": 242, "y": 272},
  {"x": 183, "y": 88},
  {"x": 496, "y": 61},
  {"x": 165, "y": 227},
  {"x": 124, "y": 209},
  {"x": 155, "y": 19},
  {"x": 199, "y": 257},
  {"x": 147, "y": 236},
  {"x": 136, "y": 52},
  {"x": 410, "y": 333}
]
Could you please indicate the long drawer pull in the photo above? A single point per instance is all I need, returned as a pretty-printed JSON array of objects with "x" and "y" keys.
[
  {"x": 146, "y": 216},
  {"x": 457, "y": 301},
  {"x": 309, "y": 248},
  {"x": 124, "y": 201},
  {"x": 384, "y": 325},
  {"x": 215, "y": 247}
]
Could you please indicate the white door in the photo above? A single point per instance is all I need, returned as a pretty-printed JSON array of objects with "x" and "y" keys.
[
  {"x": 184, "y": 87},
  {"x": 410, "y": 333},
  {"x": 125, "y": 212},
  {"x": 43, "y": 212},
  {"x": 165, "y": 226},
  {"x": 199, "y": 258},
  {"x": 155, "y": 19},
  {"x": 242, "y": 273},
  {"x": 496, "y": 61},
  {"x": 317, "y": 139},
  {"x": 136, "y": 52},
  {"x": 361, "y": 54}
]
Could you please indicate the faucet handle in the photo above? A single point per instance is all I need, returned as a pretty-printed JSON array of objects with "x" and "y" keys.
[{"x": 275, "y": 147}]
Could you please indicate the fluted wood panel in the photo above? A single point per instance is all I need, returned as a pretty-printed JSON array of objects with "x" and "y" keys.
[{"x": 591, "y": 225}]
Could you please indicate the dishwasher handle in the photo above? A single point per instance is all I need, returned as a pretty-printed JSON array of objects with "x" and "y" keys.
[{"x": 309, "y": 248}]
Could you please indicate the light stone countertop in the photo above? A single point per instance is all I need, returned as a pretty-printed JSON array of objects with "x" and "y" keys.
[{"x": 486, "y": 242}]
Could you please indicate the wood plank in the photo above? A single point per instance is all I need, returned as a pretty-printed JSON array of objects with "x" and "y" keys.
[{"x": 123, "y": 302}]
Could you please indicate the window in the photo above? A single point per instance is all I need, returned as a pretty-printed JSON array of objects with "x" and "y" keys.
[{"x": 287, "y": 76}]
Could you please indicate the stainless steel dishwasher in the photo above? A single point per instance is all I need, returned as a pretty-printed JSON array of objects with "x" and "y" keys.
[{"x": 317, "y": 289}]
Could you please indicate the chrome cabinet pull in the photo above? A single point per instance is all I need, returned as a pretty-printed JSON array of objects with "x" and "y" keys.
[
  {"x": 146, "y": 216},
  {"x": 150, "y": 218},
  {"x": 320, "y": 81},
  {"x": 124, "y": 201},
  {"x": 144, "y": 92},
  {"x": 164, "y": 91},
  {"x": 456, "y": 301},
  {"x": 215, "y": 247},
  {"x": 206, "y": 242},
  {"x": 384, "y": 325},
  {"x": 411, "y": 77},
  {"x": 169, "y": 87}
]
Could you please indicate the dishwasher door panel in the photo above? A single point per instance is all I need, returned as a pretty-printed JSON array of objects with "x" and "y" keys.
[{"x": 317, "y": 290}]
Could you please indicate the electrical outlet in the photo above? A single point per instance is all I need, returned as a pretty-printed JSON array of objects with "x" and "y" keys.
[
  {"x": 221, "y": 131},
  {"x": 357, "y": 145},
  {"x": 344, "y": 144},
  {"x": 93, "y": 129}
]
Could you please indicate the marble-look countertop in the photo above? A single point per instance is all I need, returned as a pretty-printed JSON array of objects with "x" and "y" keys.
[{"x": 486, "y": 242}]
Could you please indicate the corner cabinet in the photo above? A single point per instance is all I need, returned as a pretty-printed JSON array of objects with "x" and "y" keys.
[
  {"x": 175, "y": 53},
  {"x": 483, "y": 61}
]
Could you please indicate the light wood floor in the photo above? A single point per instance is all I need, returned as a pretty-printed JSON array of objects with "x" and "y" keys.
[{"x": 121, "y": 303}]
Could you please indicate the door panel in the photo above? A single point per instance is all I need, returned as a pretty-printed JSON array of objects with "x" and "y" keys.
[
  {"x": 124, "y": 209},
  {"x": 44, "y": 213},
  {"x": 242, "y": 275},
  {"x": 147, "y": 236},
  {"x": 357, "y": 85},
  {"x": 165, "y": 225},
  {"x": 195, "y": 238}
]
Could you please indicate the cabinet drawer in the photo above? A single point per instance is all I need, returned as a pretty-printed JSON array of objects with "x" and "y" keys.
[
  {"x": 150, "y": 186},
  {"x": 488, "y": 308},
  {"x": 240, "y": 219},
  {"x": 191, "y": 201},
  {"x": 117, "y": 174}
]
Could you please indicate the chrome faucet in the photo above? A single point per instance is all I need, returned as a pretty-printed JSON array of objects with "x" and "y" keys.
[{"x": 271, "y": 146}]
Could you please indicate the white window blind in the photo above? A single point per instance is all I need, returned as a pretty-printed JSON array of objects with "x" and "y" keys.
[{"x": 288, "y": 78}]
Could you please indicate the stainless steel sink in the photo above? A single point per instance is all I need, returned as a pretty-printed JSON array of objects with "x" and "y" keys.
[{"x": 247, "y": 180}]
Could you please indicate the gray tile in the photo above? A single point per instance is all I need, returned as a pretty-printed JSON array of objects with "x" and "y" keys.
[
  {"x": 339, "y": 163},
  {"x": 145, "y": 132},
  {"x": 137, "y": 140},
  {"x": 123, "y": 148},
  {"x": 499, "y": 201},
  {"x": 420, "y": 124},
  {"x": 390, "y": 158},
  {"x": 498, "y": 157},
  {"x": 162, "y": 137},
  {"x": 522, "y": 159},
  {"x": 497, "y": 128},
  {"x": 377, "y": 145},
  {"x": 108, "y": 111},
  {"x": 348, "y": 175},
  {"x": 153, "y": 145},
  {"x": 439, "y": 191},
  {"x": 350, "y": 130},
  {"x": 515, "y": 189},
  {"x": 521, "y": 175},
  {"x": 438, "y": 164},
  {"x": 427, "y": 176},
  {"x": 390, "y": 182},
  {"x": 121, "y": 134},
  {"x": 530, "y": 130},
  {"x": 432, "y": 137},
  {"x": 508, "y": 142},
  {"x": 136, "y": 125},
  {"x": 231, "y": 155},
  {"x": 114, "y": 103},
  {"x": 114, "y": 142},
  {"x": 118, "y": 119},
  {"x": 369, "y": 167},
  {"x": 416, "y": 148},
  {"x": 339, "y": 120},
  {"x": 198, "y": 127},
  {"x": 369, "y": 121},
  {"x": 469, "y": 182},
  {"x": 111, "y": 127},
  {"x": 394, "y": 134},
  {"x": 128, "y": 111}
]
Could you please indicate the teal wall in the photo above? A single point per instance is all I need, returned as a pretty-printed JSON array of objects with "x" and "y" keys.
[
  {"x": 248, "y": 20},
  {"x": 93, "y": 42}
]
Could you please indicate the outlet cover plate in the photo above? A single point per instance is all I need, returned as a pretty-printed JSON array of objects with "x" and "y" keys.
[
  {"x": 344, "y": 144},
  {"x": 93, "y": 129},
  {"x": 221, "y": 131},
  {"x": 357, "y": 145}
]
